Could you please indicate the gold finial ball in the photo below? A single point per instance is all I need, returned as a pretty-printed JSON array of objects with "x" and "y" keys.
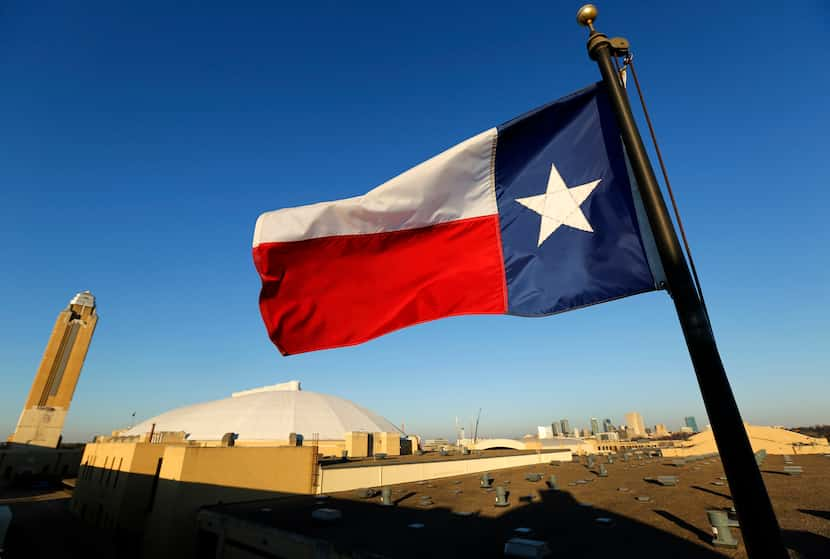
[{"x": 587, "y": 15}]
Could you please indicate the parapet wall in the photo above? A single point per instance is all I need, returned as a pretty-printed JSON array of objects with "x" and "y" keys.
[{"x": 344, "y": 479}]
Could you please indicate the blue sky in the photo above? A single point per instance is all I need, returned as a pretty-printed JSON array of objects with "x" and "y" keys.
[{"x": 139, "y": 142}]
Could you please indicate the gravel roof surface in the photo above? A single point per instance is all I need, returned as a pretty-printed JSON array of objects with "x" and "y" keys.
[{"x": 461, "y": 519}]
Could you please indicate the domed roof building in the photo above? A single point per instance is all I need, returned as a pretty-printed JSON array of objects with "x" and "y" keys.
[{"x": 266, "y": 415}]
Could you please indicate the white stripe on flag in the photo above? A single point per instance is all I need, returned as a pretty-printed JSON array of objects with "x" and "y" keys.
[{"x": 455, "y": 184}]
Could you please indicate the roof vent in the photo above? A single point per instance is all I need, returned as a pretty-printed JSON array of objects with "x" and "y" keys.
[
  {"x": 719, "y": 520},
  {"x": 523, "y": 547},
  {"x": 290, "y": 386}
]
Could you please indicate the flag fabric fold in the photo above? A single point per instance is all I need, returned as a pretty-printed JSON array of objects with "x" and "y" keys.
[{"x": 531, "y": 218}]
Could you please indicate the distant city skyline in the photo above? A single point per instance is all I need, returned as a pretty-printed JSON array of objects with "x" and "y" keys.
[
  {"x": 592, "y": 426},
  {"x": 556, "y": 428}
]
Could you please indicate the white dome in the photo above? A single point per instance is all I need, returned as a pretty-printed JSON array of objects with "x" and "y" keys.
[{"x": 269, "y": 413}]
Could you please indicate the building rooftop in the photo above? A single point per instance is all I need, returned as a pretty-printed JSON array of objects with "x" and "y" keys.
[{"x": 461, "y": 519}]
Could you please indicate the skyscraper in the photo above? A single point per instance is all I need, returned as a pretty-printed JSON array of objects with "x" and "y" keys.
[
  {"x": 635, "y": 421},
  {"x": 556, "y": 429},
  {"x": 595, "y": 426},
  {"x": 607, "y": 426},
  {"x": 691, "y": 423},
  {"x": 44, "y": 413},
  {"x": 566, "y": 427}
]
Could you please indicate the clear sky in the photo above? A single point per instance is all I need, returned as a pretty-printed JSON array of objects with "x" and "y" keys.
[{"x": 140, "y": 141}]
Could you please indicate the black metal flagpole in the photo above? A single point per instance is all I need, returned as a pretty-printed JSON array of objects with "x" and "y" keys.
[{"x": 761, "y": 534}]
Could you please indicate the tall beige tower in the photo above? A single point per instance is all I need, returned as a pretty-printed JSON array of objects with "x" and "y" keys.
[
  {"x": 635, "y": 421},
  {"x": 41, "y": 422}
]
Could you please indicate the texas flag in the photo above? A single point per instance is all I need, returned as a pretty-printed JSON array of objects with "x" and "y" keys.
[{"x": 531, "y": 218}]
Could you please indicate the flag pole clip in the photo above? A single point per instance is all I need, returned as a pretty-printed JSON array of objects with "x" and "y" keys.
[{"x": 620, "y": 46}]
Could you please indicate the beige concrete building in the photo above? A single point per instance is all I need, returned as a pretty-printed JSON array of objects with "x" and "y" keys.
[
  {"x": 149, "y": 493},
  {"x": 41, "y": 422},
  {"x": 774, "y": 440},
  {"x": 635, "y": 421},
  {"x": 148, "y": 483},
  {"x": 660, "y": 430}
]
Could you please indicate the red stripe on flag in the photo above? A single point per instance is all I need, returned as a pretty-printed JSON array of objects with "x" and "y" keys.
[{"x": 345, "y": 290}]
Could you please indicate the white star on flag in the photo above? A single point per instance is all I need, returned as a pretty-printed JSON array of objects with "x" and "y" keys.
[{"x": 559, "y": 205}]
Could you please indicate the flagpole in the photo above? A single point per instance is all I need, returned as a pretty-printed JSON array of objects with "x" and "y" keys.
[{"x": 761, "y": 534}]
